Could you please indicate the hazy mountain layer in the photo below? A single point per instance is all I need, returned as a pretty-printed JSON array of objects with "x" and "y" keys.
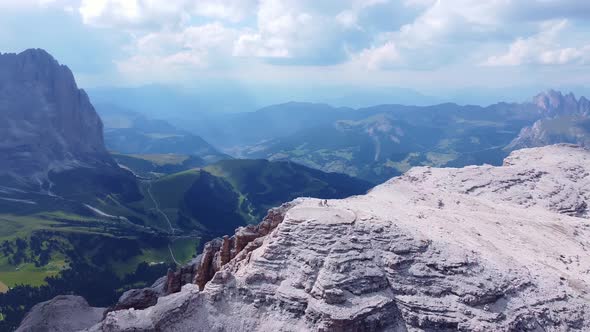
[
  {"x": 133, "y": 133},
  {"x": 379, "y": 142}
]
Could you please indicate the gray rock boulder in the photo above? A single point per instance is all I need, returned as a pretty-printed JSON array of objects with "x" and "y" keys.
[
  {"x": 137, "y": 299},
  {"x": 65, "y": 313}
]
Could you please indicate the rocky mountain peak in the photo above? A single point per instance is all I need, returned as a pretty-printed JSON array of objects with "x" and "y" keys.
[
  {"x": 564, "y": 119},
  {"x": 554, "y": 103},
  {"x": 46, "y": 122},
  {"x": 479, "y": 248}
]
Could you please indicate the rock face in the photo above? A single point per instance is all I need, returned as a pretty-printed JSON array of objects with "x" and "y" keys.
[
  {"x": 565, "y": 120},
  {"x": 64, "y": 313},
  {"x": 480, "y": 248},
  {"x": 574, "y": 129},
  {"x": 553, "y": 103},
  {"x": 221, "y": 251},
  {"x": 46, "y": 122}
]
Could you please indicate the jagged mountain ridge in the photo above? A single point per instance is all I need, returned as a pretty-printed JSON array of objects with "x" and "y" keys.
[
  {"x": 553, "y": 103},
  {"x": 379, "y": 142},
  {"x": 566, "y": 120},
  {"x": 46, "y": 122},
  {"x": 376, "y": 143},
  {"x": 478, "y": 248}
]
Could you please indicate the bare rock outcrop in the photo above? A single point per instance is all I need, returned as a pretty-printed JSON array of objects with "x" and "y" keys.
[
  {"x": 564, "y": 119},
  {"x": 553, "y": 103},
  {"x": 474, "y": 249},
  {"x": 137, "y": 299},
  {"x": 64, "y": 313},
  {"x": 220, "y": 251},
  {"x": 46, "y": 122}
]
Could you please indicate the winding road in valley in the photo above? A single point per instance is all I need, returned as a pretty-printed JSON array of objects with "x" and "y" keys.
[{"x": 157, "y": 207}]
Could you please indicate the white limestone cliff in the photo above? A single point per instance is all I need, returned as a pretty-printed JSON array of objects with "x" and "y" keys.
[{"x": 480, "y": 248}]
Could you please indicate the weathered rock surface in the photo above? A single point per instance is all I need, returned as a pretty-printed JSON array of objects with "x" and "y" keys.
[
  {"x": 574, "y": 129},
  {"x": 63, "y": 313},
  {"x": 472, "y": 249},
  {"x": 220, "y": 251},
  {"x": 137, "y": 299},
  {"x": 46, "y": 122}
]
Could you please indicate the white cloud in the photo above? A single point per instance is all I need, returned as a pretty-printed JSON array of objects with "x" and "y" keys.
[
  {"x": 281, "y": 28},
  {"x": 133, "y": 13},
  {"x": 305, "y": 31},
  {"x": 32, "y": 4},
  {"x": 253, "y": 44},
  {"x": 170, "y": 54},
  {"x": 442, "y": 28},
  {"x": 543, "y": 48},
  {"x": 386, "y": 56},
  {"x": 157, "y": 13},
  {"x": 162, "y": 38},
  {"x": 231, "y": 10},
  {"x": 458, "y": 31},
  {"x": 349, "y": 17}
]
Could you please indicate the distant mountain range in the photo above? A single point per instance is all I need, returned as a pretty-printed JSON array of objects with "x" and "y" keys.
[
  {"x": 130, "y": 132},
  {"x": 373, "y": 143},
  {"x": 212, "y": 97},
  {"x": 379, "y": 142}
]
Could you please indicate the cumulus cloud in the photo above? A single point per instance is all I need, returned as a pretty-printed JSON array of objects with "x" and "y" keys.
[
  {"x": 28, "y": 4},
  {"x": 160, "y": 13},
  {"x": 133, "y": 13},
  {"x": 231, "y": 10},
  {"x": 386, "y": 56},
  {"x": 285, "y": 29},
  {"x": 457, "y": 30},
  {"x": 306, "y": 32},
  {"x": 168, "y": 37},
  {"x": 542, "y": 48},
  {"x": 171, "y": 54}
]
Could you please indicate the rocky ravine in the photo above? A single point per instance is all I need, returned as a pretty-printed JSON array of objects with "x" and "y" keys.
[{"x": 474, "y": 249}]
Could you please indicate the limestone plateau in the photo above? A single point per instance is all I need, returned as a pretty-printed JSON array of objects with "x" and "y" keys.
[{"x": 479, "y": 248}]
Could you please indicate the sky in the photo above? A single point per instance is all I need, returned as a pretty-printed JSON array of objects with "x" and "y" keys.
[{"x": 427, "y": 45}]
